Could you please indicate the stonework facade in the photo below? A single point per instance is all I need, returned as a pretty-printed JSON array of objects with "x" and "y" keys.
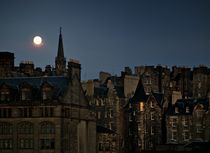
[{"x": 46, "y": 114}]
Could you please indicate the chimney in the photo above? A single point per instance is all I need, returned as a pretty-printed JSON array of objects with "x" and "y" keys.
[{"x": 74, "y": 69}]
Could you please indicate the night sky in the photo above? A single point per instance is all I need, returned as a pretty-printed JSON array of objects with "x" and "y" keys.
[{"x": 107, "y": 35}]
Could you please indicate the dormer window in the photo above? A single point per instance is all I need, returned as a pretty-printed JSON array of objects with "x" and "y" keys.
[
  {"x": 25, "y": 91},
  {"x": 47, "y": 91},
  {"x": 5, "y": 96},
  {"x": 25, "y": 94}
]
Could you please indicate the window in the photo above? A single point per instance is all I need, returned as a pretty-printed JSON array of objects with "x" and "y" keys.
[
  {"x": 152, "y": 104},
  {"x": 141, "y": 106},
  {"x": 47, "y": 144},
  {"x": 5, "y": 128},
  {"x": 199, "y": 128},
  {"x": 47, "y": 111},
  {"x": 6, "y": 144},
  {"x": 152, "y": 130},
  {"x": 97, "y": 102},
  {"x": 174, "y": 136},
  {"x": 47, "y": 128},
  {"x": 186, "y": 136},
  {"x": 185, "y": 122},
  {"x": 25, "y": 128},
  {"x": 152, "y": 115},
  {"x": 174, "y": 122},
  {"x": 99, "y": 115},
  {"x": 5, "y": 112},
  {"x": 102, "y": 102},
  {"x": 67, "y": 112},
  {"x": 46, "y": 93},
  {"x": 25, "y": 112},
  {"x": 105, "y": 114},
  {"x": 130, "y": 117},
  {"x": 187, "y": 109},
  {"x": 176, "y": 110},
  {"x": 25, "y": 94},
  {"x": 5, "y": 96},
  {"x": 26, "y": 143},
  {"x": 111, "y": 125},
  {"x": 111, "y": 113},
  {"x": 100, "y": 146}
]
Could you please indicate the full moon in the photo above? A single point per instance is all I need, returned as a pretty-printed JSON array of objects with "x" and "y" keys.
[{"x": 37, "y": 40}]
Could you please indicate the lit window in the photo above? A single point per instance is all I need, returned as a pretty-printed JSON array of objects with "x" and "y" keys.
[{"x": 141, "y": 106}]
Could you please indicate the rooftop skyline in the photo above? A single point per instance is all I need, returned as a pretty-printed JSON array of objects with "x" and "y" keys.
[{"x": 108, "y": 35}]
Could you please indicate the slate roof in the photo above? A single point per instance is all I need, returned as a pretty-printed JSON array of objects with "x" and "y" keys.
[
  {"x": 100, "y": 91},
  {"x": 191, "y": 103},
  {"x": 139, "y": 94},
  {"x": 59, "y": 83},
  {"x": 159, "y": 98}
]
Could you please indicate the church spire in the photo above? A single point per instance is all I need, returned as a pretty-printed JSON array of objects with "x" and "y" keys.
[
  {"x": 60, "y": 52},
  {"x": 60, "y": 61}
]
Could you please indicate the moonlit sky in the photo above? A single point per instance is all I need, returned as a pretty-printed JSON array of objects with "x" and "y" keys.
[{"x": 107, "y": 35}]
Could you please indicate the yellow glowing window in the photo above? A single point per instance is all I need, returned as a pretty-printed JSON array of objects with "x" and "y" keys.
[{"x": 141, "y": 106}]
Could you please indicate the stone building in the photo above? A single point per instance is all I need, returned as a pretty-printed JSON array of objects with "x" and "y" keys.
[
  {"x": 186, "y": 121},
  {"x": 6, "y": 63},
  {"x": 181, "y": 81},
  {"x": 106, "y": 140},
  {"x": 155, "y": 79},
  {"x": 46, "y": 114},
  {"x": 106, "y": 103},
  {"x": 26, "y": 68},
  {"x": 145, "y": 119},
  {"x": 200, "y": 81}
]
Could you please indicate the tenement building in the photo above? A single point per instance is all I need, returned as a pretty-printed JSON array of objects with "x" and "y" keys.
[{"x": 44, "y": 114}]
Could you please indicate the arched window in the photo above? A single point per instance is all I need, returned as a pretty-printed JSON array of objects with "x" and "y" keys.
[
  {"x": 47, "y": 128},
  {"x": 25, "y": 128},
  {"x": 6, "y": 128}
]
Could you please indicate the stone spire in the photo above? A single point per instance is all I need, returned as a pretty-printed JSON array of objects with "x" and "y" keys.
[{"x": 60, "y": 61}]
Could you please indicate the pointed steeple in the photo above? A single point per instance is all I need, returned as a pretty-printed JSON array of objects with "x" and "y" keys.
[
  {"x": 60, "y": 52},
  {"x": 60, "y": 61}
]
